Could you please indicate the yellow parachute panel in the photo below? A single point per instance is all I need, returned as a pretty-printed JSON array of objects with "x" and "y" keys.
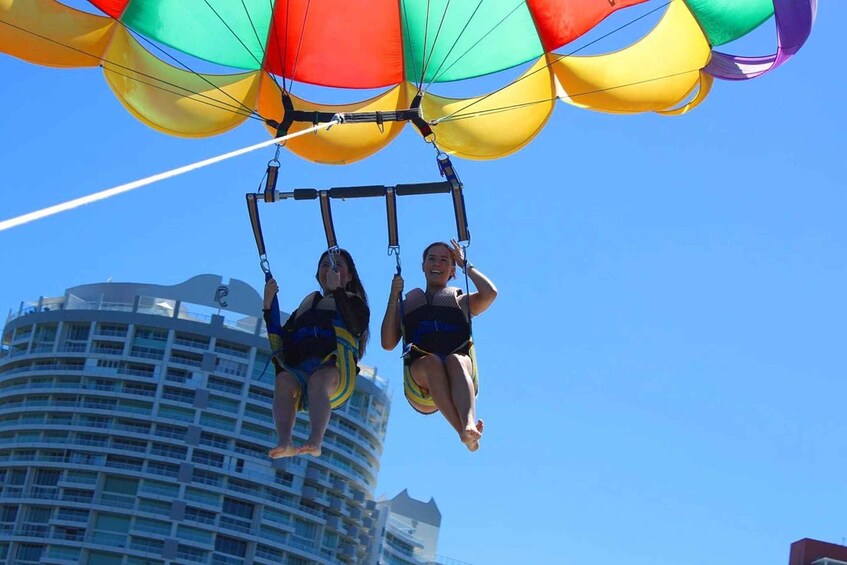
[
  {"x": 172, "y": 100},
  {"x": 654, "y": 74}
]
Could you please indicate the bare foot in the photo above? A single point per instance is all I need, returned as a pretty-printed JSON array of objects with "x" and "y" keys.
[
  {"x": 283, "y": 450},
  {"x": 470, "y": 437},
  {"x": 310, "y": 448}
]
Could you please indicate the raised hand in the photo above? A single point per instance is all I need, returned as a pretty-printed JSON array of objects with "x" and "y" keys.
[
  {"x": 396, "y": 288},
  {"x": 271, "y": 288}
]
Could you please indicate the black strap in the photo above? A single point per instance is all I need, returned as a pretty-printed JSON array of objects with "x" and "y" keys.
[
  {"x": 290, "y": 116},
  {"x": 326, "y": 216}
]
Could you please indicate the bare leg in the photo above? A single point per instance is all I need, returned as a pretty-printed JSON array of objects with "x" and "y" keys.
[
  {"x": 459, "y": 369},
  {"x": 285, "y": 393},
  {"x": 429, "y": 373},
  {"x": 322, "y": 383}
]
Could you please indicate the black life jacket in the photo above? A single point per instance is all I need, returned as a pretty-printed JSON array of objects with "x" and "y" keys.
[
  {"x": 436, "y": 324},
  {"x": 309, "y": 332}
]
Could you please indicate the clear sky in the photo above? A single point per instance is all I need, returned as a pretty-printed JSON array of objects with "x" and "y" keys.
[{"x": 663, "y": 374}]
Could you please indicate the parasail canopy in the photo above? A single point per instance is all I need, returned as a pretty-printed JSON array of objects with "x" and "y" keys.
[{"x": 403, "y": 47}]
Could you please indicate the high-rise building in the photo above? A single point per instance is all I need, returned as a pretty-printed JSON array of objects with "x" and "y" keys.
[
  {"x": 135, "y": 422},
  {"x": 409, "y": 530},
  {"x": 813, "y": 552}
]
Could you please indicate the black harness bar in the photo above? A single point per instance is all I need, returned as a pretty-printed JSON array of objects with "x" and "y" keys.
[{"x": 290, "y": 116}]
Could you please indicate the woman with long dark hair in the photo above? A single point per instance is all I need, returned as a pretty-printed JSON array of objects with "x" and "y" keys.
[{"x": 316, "y": 351}]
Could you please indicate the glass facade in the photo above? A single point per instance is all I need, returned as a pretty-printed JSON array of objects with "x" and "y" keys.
[{"x": 135, "y": 422}]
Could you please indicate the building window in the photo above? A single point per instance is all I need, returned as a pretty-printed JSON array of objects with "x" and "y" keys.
[
  {"x": 147, "y": 545},
  {"x": 231, "y": 367},
  {"x": 191, "y": 340},
  {"x": 102, "y": 558},
  {"x": 207, "y": 458},
  {"x": 200, "y": 516},
  {"x": 120, "y": 485},
  {"x": 225, "y": 385},
  {"x": 238, "y": 508},
  {"x": 47, "y": 477},
  {"x": 188, "y": 553},
  {"x": 217, "y": 422},
  {"x": 214, "y": 440},
  {"x": 230, "y": 546},
  {"x": 152, "y": 526},
  {"x": 178, "y": 394},
  {"x": 29, "y": 553}
]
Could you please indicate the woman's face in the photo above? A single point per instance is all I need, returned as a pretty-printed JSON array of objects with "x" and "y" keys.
[
  {"x": 329, "y": 279},
  {"x": 438, "y": 266}
]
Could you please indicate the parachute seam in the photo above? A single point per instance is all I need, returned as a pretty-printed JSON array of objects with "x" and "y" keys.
[{"x": 556, "y": 60}]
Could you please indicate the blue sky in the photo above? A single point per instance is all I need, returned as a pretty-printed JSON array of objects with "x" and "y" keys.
[{"x": 662, "y": 376}]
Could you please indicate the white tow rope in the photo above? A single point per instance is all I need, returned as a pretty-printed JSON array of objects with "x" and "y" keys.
[{"x": 108, "y": 193}]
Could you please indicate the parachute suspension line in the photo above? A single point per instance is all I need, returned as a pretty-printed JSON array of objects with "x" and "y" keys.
[
  {"x": 279, "y": 54},
  {"x": 408, "y": 38},
  {"x": 455, "y": 117},
  {"x": 102, "y": 195},
  {"x": 182, "y": 91},
  {"x": 232, "y": 32},
  {"x": 549, "y": 63},
  {"x": 428, "y": 58},
  {"x": 423, "y": 48},
  {"x": 154, "y": 45},
  {"x": 478, "y": 41},
  {"x": 299, "y": 44},
  {"x": 455, "y": 42},
  {"x": 259, "y": 39},
  {"x": 233, "y": 109}
]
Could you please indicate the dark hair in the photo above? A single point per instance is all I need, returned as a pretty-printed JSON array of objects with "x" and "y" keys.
[
  {"x": 447, "y": 245},
  {"x": 354, "y": 285}
]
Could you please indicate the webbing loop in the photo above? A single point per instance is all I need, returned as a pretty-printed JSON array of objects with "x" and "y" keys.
[
  {"x": 391, "y": 214},
  {"x": 445, "y": 166}
]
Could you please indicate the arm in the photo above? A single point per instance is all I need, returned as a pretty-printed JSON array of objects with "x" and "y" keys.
[
  {"x": 353, "y": 309},
  {"x": 486, "y": 292},
  {"x": 390, "y": 333}
]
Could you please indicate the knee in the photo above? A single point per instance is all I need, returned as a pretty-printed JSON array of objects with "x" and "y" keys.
[
  {"x": 286, "y": 384},
  {"x": 429, "y": 364},
  {"x": 324, "y": 380},
  {"x": 457, "y": 363}
]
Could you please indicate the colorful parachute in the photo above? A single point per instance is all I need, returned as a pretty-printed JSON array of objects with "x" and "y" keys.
[{"x": 403, "y": 46}]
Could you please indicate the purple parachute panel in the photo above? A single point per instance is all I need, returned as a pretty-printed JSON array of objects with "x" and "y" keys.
[{"x": 794, "y": 20}]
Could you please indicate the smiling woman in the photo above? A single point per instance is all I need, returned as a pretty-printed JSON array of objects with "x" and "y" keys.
[{"x": 440, "y": 364}]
